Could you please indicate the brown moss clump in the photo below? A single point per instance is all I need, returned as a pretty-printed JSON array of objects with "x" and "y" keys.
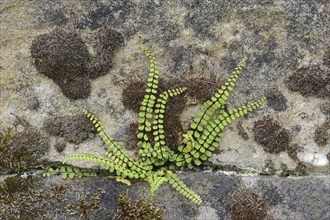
[
  {"x": 132, "y": 95},
  {"x": 13, "y": 185},
  {"x": 200, "y": 89},
  {"x": 275, "y": 99},
  {"x": 271, "y": 135},
  {"x": 326, "y": 58},
  {"x": 63, "y": 56},
  {"x": 74, "y": 129},
  {"x": 60, "y": 146},
  {"x": 247, "y": 205},
  {"x": 17, "y": 195},
  {"x": 175, "y": 106},
  {"x": 301, "y": 170},
  {"x": 322, "y": 133},
  {"x": 108, "y": 42},
  {"x": 86, "y": 204},
  {"x": 310, "y": 81},
  {"x": 293, "y": 150},
  {"x": 141, "y": 209},
  {"x": 31, "y": 198},
  {"x": 21, "y": 150},
  {"x": 325, "y": 109},
  {"x": 76, "y": 88}
]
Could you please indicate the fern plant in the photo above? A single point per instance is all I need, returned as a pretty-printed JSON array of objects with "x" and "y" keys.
[{"x": 157, "y": 162}]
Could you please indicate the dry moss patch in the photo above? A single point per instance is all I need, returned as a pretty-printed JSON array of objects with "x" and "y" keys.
[
  {"x": 142, "y": 209},
  {"x": 63, "y": 56},
  {"x": 310, "y": 81},
  {"x": 74, "y": 129},
  {"x": 247, "y": 205},
  {"x": 21, "y": 150},
  {"x": 271, "y": 135}
]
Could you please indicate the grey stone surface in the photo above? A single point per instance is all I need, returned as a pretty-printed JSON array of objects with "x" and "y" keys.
[
  {"x": 288, "y": 44},
  {"x": 224, "y": 197}
]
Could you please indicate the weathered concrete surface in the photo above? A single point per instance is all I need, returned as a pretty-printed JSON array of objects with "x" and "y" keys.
[{"x": 288, "y": 44}]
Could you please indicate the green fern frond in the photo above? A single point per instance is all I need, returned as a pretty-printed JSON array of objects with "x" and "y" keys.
[
  {"x": 145, "y": 119},
  {"x": 113, "y": 146},
  {"x": 163, "y": 152},
  {"x": 208, "y": 126},
  {"x": 217, "y": 101},
  {"x": 155, "y": 180},
  {"x": 149, "y": 99},
  {"x": 109, "y": 165},
  {"x": 158, "y": 122},
  {"x": 214, "y": 131},
  {"x": 67, "y": 172},
  {"x": 245, "y": 109},
  {"x": 183, "y": 189}
]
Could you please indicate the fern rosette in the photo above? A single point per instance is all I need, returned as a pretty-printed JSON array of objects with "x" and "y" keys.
[{"x": 157, "y": 162}]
